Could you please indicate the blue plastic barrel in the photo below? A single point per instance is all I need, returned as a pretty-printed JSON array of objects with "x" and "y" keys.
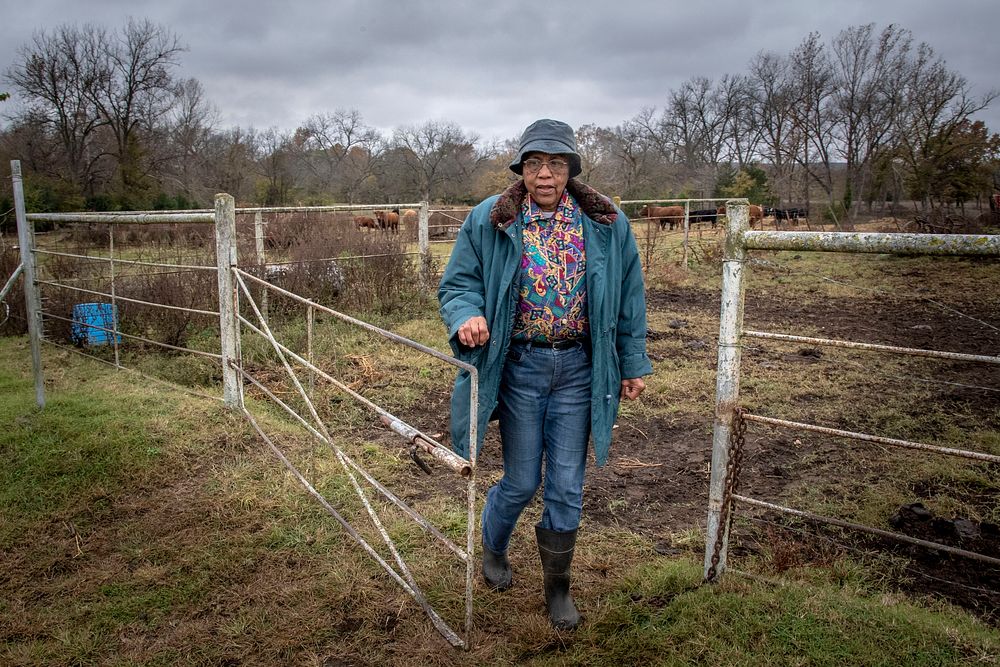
[{"x": 86, "y": 316}]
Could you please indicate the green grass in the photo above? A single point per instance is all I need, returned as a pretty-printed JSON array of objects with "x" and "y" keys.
[
  {"x": 80, "y": 446},
  {"x": 662, "y": 615}
]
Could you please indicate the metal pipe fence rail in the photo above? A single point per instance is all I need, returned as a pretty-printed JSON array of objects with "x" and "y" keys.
[
  {"x": 731, "y": 420},
  {"x": 9, "y": 285},
  {"x": 445, "y": 229},
  {"x": 115, "y": 332},
  {"x": 261, "y": 236}
]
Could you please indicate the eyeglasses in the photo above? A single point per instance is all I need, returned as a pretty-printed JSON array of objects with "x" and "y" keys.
[{"x": 557, "y": 166}]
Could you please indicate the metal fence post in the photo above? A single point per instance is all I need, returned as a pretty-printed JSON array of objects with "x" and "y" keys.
[
  {"x": 687, "y": 226},
  {"x": 225, "y": 254},
  {"x": 258, "y": 237},
  {"x": 424, "y": 243},
  {"x": 727, "y": 384},
  {"x": 114, "y": 300},
  {"x": 32, "y": 300}
]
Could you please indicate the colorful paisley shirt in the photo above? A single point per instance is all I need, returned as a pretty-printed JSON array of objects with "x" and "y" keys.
[{"x": 552, "y": 302}]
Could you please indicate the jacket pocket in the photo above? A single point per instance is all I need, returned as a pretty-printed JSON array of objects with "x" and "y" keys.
[{"x": 470, "y": 355}]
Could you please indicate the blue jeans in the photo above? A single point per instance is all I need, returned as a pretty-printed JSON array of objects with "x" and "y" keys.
[{"x": 544, "y": 409}]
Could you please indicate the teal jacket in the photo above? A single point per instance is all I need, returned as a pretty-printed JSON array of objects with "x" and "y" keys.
[{"x": 480, "y": 281}]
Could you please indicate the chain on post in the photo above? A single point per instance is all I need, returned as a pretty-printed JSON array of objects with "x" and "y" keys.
[{"x": 737, "y": 439}]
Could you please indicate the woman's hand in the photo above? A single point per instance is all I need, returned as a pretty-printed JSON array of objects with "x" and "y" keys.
[
  {"x": 632, "y": 387},
  {"x": 474, "y": 332}
]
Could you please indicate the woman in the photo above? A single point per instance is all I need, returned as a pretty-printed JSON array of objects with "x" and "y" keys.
[{"x": 543, "y": 294}]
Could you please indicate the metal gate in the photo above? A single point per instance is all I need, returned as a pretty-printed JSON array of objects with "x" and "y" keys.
[
  {"x": 234, "y": 283},
  {"x": 730, "y": 419},
  {"x": 232, "y": 291}
]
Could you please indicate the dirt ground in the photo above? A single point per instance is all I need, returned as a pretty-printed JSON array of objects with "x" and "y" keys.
[{"x": 656, "y": 481}]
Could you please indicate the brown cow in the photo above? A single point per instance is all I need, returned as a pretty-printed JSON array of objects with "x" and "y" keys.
[
  {"x": 388, "y": 219},
  {"x": 364, "y": 222},
  {"x": 410, "y": 218},
  {"x": 665, "y": 215},
  {"x": 756, "y": 213}
]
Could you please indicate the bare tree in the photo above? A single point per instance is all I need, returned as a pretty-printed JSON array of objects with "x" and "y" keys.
[
  {"x": 692, "y": 130},
  {"x": 771, "y": 88},
  {"x": 274, "y": 162},
  {"x": 813, "y": 83},
  {"x": 231, "y": 161},
  {"x": 592, "y": 145},
  {"x": 436, "y": 152},
  {"x": 132, "y": 90},
  {"x": 742, "y": 133},
  {"x": 936, "y": 104},
  {"x": 339, "y": 151},
  {"x": 865, "y": 101},
  {"x": 56, "y": 74},
  {"x": 191, "y": 127},
  {"x": 631, "y": 160}
]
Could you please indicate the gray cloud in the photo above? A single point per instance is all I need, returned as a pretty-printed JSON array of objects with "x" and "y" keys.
[{"x": 494, "y": 67}]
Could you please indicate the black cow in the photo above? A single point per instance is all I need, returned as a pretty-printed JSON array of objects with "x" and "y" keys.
[
  {"x": 709, "y": 215},
  {"x": 790, "y": 214}
]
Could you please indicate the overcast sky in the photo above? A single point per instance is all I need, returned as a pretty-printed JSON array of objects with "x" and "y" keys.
[{"x": 493, "y": 66}]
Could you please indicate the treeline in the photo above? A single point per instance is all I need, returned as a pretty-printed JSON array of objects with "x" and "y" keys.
[{"x": 104, "y": 121}]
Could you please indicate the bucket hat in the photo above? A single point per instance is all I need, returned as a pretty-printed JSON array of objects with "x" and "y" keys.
[{"x": 548, "y": 136}]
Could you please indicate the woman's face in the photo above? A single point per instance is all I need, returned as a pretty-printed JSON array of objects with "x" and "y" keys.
[{"x": 547, "y": 184}]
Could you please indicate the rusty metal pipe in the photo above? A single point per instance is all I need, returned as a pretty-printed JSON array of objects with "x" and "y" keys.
[
  {"x": 957, "y": 356},
  {"x": 414, "y": 437}
]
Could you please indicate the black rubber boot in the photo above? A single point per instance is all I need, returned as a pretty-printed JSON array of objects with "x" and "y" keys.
[
  {"x": 556, "y": 551},
  {"x": 496, "y": 569}
]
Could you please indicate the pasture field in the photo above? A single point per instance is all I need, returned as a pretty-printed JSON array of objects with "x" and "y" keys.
[{"x": 141, "y": 525}]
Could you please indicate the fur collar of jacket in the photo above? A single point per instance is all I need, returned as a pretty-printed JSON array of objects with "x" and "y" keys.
[{"x": 596, "y": 206}]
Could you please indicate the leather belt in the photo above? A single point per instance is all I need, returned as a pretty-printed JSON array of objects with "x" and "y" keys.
[{"x": 564, "y": 344}]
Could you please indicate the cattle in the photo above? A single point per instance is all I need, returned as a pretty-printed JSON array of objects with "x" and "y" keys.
[
  {"x": 364, "y": 222},
  {"x": 790, "y": 214},
  {"x": 665, "y": 215},
  {"x": 756, "y": 213},
  {"x": 709, "y": 215},
  {"x": 388, "y": 220},
  {"x": 410, "y": 218}
]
